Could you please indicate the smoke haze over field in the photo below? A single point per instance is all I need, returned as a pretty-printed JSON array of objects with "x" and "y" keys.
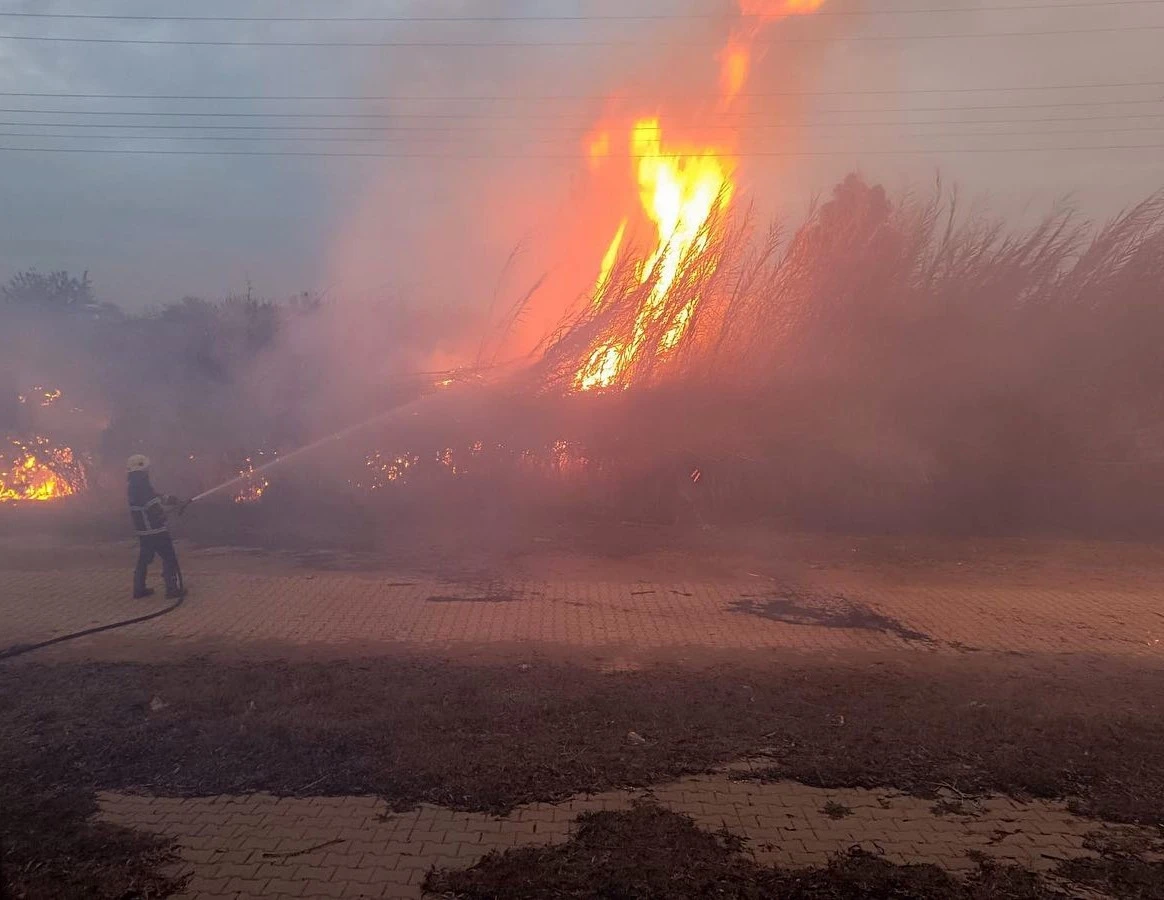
[
  {"x": 154, "y": 228},
  {"x": 585, "y": 191}
]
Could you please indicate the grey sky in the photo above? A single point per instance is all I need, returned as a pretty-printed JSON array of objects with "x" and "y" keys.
[{"x": 153, "y": 228}]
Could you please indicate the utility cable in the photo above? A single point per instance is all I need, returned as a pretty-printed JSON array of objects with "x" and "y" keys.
[
  {"x": 626, "y": 17},
  {"x": 436, "y": 45},
  {"x": 730, "y": 118},
  {"x": 436, "y": 157},
  {"x": 403, "y": 98},
  {"x": 567, "y": 130},
  {"x": 393, "y": 139}
]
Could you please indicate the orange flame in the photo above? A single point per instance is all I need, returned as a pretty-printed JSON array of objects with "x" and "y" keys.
[
  {"x": 36, "y": 470},
  {"x": 384, "y": 470},
  {"x": 678, "y": 189},
  {"x": 609, "y": 259},
  {"x": 599, "y": 147},
  {"x": 254, "y": 483},
  {"x": 736, "y": 60},
  {"x": 770, "y": 10}
]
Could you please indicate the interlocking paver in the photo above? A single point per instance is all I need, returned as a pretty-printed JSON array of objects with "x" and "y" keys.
[
  {"x": 335, "y": 888},
  {"x": 783, "y": 823},
  {"x": 281, "y": 609}
]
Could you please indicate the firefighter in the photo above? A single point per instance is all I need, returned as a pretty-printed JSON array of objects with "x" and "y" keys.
[{"x": 147, "y": 508}]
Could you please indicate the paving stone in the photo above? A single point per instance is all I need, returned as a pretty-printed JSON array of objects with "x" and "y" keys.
[
  {"x": 381, "y": 866},
  {"x": 1106, "y": 614}
]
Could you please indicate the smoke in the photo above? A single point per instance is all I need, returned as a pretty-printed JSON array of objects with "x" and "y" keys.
[
  {"x": 485, "y": 228},
  {"x": 871, "y": 367},
  {"x": 503, "y": 198}
]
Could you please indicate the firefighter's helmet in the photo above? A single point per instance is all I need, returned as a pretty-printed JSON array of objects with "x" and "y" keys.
[{"x": 137, "y": 463}]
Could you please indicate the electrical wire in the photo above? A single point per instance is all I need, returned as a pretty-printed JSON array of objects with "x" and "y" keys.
[
  {"x": 566, "y": 130},
  {"x": 432, "y": 157},
  {"x": 732, "y": 117},
  {"x": 436, "y": 45},
  {"x": 394, "y": 139},
  {"x": 627, "y": 17},
  {"x": 1096, "y": 85}
]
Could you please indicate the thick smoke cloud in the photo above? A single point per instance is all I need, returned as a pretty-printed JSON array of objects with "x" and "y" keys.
[{"x": 486, "y": 226}]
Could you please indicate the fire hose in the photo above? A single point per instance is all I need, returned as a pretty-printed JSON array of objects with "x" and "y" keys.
[{"x": 21, "y": 649}]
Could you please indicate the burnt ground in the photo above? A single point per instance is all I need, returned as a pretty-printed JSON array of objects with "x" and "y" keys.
[
  {"x": 492, "y": 738},
  {"x": 651, "y": 852},
  {"x": 799, "y": 607}
]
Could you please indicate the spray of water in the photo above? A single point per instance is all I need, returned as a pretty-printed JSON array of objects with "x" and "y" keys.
[{"x": 314, "y": 445}]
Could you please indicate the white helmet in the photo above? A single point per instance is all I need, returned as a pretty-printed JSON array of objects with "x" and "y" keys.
[{"x": 137, "y": 463}]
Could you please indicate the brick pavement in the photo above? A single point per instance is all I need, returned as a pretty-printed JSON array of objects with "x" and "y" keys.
[
  {"x": 366, "y": 613},
  {"x": 318, "y": 847},
  {"x": 265, "y": 846}
]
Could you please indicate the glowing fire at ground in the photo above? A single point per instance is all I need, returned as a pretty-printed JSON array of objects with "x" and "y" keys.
[
  {"x": 679, "y": 186},
  {"x": 40, "y": 396},
  {"x": 560, "y": 458},
  {"x": 255, "y": 484},
  {"x": 36, "y": 470},
  {"x": 384, "y": 470}
]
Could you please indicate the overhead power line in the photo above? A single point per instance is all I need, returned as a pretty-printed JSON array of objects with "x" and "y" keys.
[
  {"x": 958, "y": 35},
  {"x": 575, "y": 130},
  {"x": 389, "y": 139},
  {"x": 624, "y": 17},
  {"x": 558, "y": 97},
  {"x": 729, "y": 117},
  {"x": 565, "y": 157}
]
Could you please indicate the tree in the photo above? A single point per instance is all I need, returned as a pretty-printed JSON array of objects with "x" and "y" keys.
[{"x": 56, "y": 290}]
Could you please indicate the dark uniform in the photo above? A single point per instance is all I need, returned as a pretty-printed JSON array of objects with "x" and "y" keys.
[{"x": 147, "y": 508}]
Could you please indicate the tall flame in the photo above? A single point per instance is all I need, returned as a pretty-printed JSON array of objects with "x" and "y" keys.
[
  {"x": 735, "y": 64},
  {"x": 679, "y": 187},
  {"x": 610, "y": 259},
  {"x": 736, "y": 59}
]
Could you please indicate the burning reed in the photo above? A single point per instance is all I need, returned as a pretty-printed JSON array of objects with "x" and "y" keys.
[
  {"x": 37, "y": 470},
  {"x": 890, "y": 364}
]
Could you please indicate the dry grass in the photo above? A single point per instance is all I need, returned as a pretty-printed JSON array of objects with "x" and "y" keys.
[
  {"x": 893, "y": 364},
  {"x": 863, "y": 278}
]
